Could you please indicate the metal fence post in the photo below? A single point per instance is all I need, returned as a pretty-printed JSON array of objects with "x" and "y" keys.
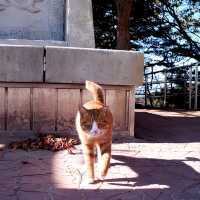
[
  {"x": 145, "y": 90},
  {"x": 165, "y": 89},
  {"x": 196, "y": 88},
  {"x": 190, "y": 89}
]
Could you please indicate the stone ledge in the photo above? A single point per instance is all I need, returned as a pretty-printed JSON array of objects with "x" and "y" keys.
[
  {"x": 25, "y": 42},
  {"x": 75, "y": 65},
  {"x": 20, "y": 63},
  {"x": 23, "y": 62}
]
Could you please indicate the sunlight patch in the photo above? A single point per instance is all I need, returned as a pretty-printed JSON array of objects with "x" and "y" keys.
[
  {"x": 64, "y": 175},
  {"x": 194, "y": 164},
  {"x": 2, "y": 146},
  {"x": 151, "y": 186}
]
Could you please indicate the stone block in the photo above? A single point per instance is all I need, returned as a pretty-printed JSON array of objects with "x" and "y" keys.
[
  {"x": 21, "y": 63},
  {"x": 79, "y": 24},
  {"x": 111, "y": 67}
]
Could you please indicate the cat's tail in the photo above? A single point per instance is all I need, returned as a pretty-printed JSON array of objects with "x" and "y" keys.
[{"x": 96, "y": 90}]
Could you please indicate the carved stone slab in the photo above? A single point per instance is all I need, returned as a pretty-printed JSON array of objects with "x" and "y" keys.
[{"x": 32, "y": 19}]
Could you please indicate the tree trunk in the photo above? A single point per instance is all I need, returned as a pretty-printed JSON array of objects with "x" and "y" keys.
[{"x": 124, "y": 8}]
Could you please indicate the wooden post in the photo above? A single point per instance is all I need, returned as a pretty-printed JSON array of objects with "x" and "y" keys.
[
  {"x": 2, "y": 108},
  {"x": 131, "y": 112}
]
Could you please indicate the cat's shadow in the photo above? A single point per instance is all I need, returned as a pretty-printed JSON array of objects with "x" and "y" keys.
[{"x": 168, "y": 173}]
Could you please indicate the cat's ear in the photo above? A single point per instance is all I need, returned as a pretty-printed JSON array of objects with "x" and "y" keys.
[{"x": 105, "y": 108}]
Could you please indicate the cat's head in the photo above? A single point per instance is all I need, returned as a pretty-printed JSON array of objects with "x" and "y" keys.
[{"x": 95, "y": 121}]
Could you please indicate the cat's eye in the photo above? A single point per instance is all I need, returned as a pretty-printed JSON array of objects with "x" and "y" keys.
[{"x": 101, "y": 125}]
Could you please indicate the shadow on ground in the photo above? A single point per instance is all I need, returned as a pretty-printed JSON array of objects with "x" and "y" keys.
[
  {"x": 44, "y": 175},
  {"x": 152, "y": 179},
  {"x": 168, "y": 127}
]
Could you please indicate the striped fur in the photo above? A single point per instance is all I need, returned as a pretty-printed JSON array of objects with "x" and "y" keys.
[{"x": 94, "y": 125}]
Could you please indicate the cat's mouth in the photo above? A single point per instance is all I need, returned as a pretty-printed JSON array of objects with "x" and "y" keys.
[{"x": 96, "y": 132}]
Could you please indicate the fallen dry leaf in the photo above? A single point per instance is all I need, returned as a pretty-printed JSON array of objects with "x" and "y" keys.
[{"x": 51, "y": 142}]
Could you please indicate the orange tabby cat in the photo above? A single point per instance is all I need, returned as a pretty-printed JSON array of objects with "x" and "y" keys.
[{"x": 94, "y": 125}]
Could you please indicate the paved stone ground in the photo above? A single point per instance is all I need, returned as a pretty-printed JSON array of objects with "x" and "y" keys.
[
  {"x": 166, "y": 126},
  {"x": 140, "y": 170}
]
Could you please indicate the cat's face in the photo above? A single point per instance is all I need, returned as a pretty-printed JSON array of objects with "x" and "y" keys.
[{"x": 95, "y": 121}]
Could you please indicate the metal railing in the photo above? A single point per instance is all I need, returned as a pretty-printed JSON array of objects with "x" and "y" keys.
[{"x": 190, "y": 91}]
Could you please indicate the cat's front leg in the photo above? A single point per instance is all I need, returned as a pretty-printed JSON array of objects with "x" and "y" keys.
[
  {"x": 89, "y": 157},
  {"x": 105, "y": 150}
]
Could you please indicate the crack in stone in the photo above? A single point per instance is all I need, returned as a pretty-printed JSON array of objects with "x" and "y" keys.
[
  {"x": 80, "y": 179},
  {"x": 75, "y": 173},
  {"x": 2, "y": 170},
  {"x": 190, "y": 186},
  {"x": 49, "y": 192},
  {"x": 117, "y": 194},
  {"x": 1, "y": 160},
  {"x": 28, "y": 175},
  {"x": 158, "y": 196},
  {"x": 180, "y": 175},
  {"x": 34, "y": 191},
  {"x": 16, "y": 190}
]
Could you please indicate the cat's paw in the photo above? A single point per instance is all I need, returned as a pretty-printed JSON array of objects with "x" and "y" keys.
[
  {"x": 101, "y": 178},
  {"x": 90, "y": 181}
]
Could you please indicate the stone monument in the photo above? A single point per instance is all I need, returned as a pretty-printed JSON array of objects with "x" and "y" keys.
[
  {"x": 32, "y": 19},
  {"x": 46, "y": 54},
  {"x": 53, "y": 20}
]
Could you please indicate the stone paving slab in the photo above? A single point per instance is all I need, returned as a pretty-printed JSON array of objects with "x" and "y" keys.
[
  {"x": 139, "y": 170},
  {"x": 167, "y": 126}
]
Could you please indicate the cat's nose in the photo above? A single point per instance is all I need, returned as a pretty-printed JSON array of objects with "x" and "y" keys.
[{"x": 95, "y": 131}]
